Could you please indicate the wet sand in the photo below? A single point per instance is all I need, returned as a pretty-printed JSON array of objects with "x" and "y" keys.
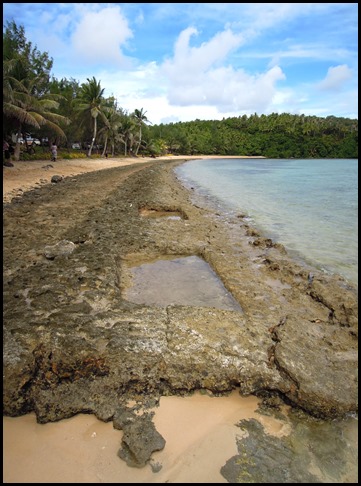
[{"x": 200, "y": 436}]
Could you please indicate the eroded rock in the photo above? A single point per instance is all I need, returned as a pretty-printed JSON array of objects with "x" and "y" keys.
[{"x": 140, "y": 439}]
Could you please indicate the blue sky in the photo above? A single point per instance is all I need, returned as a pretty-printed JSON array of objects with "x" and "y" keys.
[{"x": 183, "y": 61}]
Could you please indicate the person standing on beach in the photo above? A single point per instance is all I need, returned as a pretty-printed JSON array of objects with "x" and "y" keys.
[
  {"x": 54, "y": 152},
  {"x": 6, "y": 150}
]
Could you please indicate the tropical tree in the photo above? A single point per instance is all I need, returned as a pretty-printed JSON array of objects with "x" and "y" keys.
[
  {"x": 27, "y": 61},
  {"x": 91, "y": 102},
  {"x": 69, "y": 91},
  {"x": 25, "y": 108},
  {"x": 110, "y": 131},
  {"x": 26, "y": 99},
  {"x": 157, "y": 147},
  {"x": 140, "y": 120},
  {"x": 126, "y": 133}
]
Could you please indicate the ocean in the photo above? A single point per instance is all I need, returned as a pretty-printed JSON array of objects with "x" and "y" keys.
[{"x": 308, "y": 205}]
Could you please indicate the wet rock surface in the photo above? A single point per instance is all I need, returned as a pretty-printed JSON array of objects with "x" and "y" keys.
[
  {"x": 313, "y": 445},
  {"x": 73, "y": 343},
  {"x": 140, "y": 437}
]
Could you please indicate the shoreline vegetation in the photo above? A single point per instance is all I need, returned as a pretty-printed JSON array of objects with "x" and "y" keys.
[{"x": 73, "y": 344}]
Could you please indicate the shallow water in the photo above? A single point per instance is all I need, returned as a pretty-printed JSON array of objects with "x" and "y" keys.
[
  {"x": 183, "y": 281},
  {"x": 310, "y": 206}
]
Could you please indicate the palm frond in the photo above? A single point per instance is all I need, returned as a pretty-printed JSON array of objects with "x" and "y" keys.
[
  {"x": 20, "y": 114},
  {"x": 56, "y": 118},
  {"x": 48, "y": 104},
  {"x": 38, "y": 117},
  {"x": 56, "y": 129}
]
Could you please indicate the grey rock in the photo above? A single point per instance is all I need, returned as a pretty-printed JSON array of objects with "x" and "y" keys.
[{"x": 140, "y": 440}]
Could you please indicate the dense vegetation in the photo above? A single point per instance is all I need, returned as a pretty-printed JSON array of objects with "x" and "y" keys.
[
  {"x": 276, "y": 135},
  {"x": 36, "y": 103}
]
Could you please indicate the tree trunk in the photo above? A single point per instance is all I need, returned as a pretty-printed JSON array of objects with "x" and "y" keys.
[
  {"x": 105, "y": 145},
  {"x": 94, "y": 135},
  {"x": 17, "y": 145},
  {"x": 140, "y": 139}
]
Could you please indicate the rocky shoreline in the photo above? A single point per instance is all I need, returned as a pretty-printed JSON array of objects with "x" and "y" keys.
[{"x": 73, "y": 343}]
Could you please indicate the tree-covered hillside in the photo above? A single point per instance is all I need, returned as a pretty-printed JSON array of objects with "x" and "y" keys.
[{"x": 276, "y": 135}]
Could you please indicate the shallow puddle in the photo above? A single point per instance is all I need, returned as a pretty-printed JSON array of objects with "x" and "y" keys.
[{"x": 181, "y": 281}]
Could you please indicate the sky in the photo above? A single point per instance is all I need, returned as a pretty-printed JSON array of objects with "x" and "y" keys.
[{"x": 206, "y": 61}]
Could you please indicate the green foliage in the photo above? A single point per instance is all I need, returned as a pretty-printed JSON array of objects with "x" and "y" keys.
[
  {"x": 46, "y": 155},
  {"x": 157, "y": 147},
  {"x": 140, "y": 120},
  {"x": 71, "y": 155},
  {"x": 92, "y": 103},
  {"x": 34, "y": 156},
  {"x": 29, "y": 62},
  {"x": 68, "y": 91},
  {"x": 273, "y": 136},
  {"x": 27, "y": 104}
]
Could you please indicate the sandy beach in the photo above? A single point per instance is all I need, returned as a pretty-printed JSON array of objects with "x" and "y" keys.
[
  {"x": 28, "y": 175},
  {"x": 200, "y": 430}
]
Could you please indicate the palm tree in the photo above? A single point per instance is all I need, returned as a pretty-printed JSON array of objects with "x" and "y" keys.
[
  {"x": 110, "y": 131},
  {"x": 26, "y": 108},
  {"x": 126, "y": 133},
  {"x": 91, "y": 101},
  {"x": 140, "y": 119}
]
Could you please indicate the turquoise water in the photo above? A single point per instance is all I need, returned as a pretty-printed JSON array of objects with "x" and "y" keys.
[{"x": 310, "y": 206}]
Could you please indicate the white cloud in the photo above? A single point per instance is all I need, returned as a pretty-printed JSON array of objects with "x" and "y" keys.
[
  {"x": 336, "y": 78},
  {"x": 99, "y": 36},
  {"x": 158, "y": 110},
  {"x": 194, "y": 84},
  {"x": 306, "y": 51},
  {"x": 262, "y": 16},
  {"x": 195, "y": 77},
  {"x": 188, "y": 61}
]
